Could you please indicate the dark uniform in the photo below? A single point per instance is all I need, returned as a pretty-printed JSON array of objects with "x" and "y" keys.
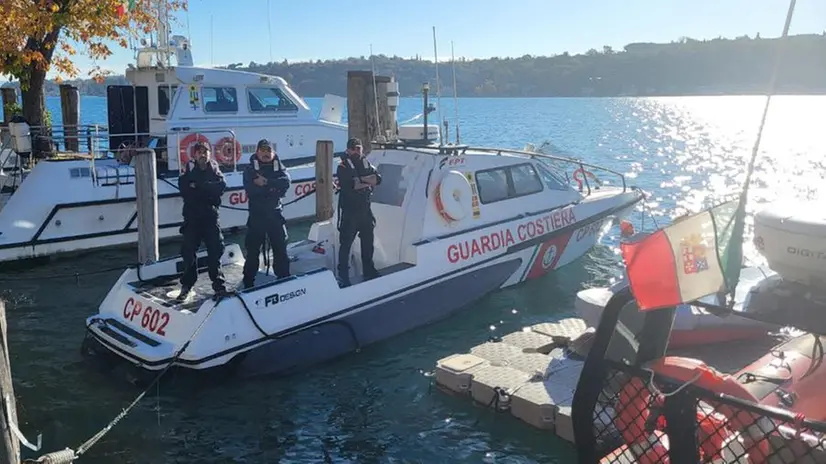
[
  {"x": 201, "y": 189},
  {"x": 355, "y": 215},
  {"x": 265, "y": 218}
]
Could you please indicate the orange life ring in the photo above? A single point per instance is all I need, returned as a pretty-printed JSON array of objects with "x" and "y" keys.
[
  {"x": 635, "y": 401},
  {"x": 185, "y": 148},
  {"x": 224, "y": 151},
  {"x": 579, "y": 176},
  {"x": 450, "y": 194}
]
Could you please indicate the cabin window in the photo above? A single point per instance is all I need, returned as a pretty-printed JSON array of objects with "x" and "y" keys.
[
  {"x": 551, "y": 180},
  {"x": 492, "y": 184},
  {"x": 219, "y": 99},
  {"x": 269, "y": 100},
  {"x": 393, "y": 187},
  {"x": 525, "y": 180},
  {"x": 165, "y": 94},
  {"x": 507, "y": 182}
]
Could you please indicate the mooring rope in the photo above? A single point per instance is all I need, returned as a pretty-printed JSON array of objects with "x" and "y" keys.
[{"x": 68, "y": 455}]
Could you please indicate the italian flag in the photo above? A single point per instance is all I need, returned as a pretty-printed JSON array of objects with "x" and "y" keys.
[{"x": 696, "y": 256}]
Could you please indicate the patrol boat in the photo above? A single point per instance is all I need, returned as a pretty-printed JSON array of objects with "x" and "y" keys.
[
  {"x": 71, "y": 202},
  {"x": 453, "y": 223}
]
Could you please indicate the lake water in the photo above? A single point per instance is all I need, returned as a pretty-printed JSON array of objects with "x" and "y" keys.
[{"x": 377, "y": 405}]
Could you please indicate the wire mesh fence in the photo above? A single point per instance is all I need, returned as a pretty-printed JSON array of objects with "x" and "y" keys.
[{"x": 636, "y": 420}]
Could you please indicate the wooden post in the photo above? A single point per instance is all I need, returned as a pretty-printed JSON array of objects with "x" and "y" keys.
[
  {"x": 146, "y": 195},
  {"x": 70, "y": 108},
  {"x": 323, "y": 180},
  {"x": 11, "y": 445},
  {"x": 361, "y": 107},
  {"x": 9, "y": 97},
  {"x": 385, "y": 119}
]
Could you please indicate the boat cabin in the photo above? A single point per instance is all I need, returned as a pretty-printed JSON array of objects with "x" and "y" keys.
[
  {"x": 463, "y": 190},
  {"x": 176, "y": 106}
]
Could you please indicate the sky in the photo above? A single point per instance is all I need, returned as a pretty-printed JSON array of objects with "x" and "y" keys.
[{"x": 224, "y": 32}]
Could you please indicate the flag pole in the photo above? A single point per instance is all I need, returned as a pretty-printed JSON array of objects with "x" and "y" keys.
[{"x": 734, "y": 263}]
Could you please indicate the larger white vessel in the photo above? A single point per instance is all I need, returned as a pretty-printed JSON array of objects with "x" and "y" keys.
[{"x": 79, "y": 201}]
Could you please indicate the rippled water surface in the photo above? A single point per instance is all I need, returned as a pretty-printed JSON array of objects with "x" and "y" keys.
[{"x": 377, "y": 405}]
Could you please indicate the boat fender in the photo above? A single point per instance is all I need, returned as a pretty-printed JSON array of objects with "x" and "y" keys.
[
  {"x": 579, "y": 176},
  {"x": 224, "y": 150},
  {"x": 186, "y": 146},
  {"x": 453, "y": 196},
  {"x": 636, "y": 408}
]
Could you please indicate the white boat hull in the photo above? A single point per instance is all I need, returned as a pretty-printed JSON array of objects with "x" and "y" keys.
[
  {"x": 315, "y": 319},
  {"x": 82, "y": 215}
]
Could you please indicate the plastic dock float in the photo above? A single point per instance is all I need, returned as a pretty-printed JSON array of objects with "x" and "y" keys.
[{"x": 531, "y": 373}]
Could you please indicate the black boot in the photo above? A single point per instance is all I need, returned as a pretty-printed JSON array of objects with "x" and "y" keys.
[
  {"x": 343, "y": 278},
  {"x": 371, "y": 273},
  {"x": 185, "y": 292}
]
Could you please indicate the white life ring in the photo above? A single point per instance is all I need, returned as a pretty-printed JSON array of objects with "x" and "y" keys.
[{"x": 453, "y": 196}]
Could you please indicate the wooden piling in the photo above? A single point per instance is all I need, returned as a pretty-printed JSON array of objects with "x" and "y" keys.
[
  {"x": 9, "y": 97},
  {"x": 360, "y": 100},
  {"x": 11, "y": 445},
  {"x": 70, "y": 108},
  {"x": 323, "y": 180},
  {"x": 146, "y": 191}
]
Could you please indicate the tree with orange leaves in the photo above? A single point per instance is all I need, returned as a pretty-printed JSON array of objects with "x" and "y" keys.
[{"x": 37, "y": 36}]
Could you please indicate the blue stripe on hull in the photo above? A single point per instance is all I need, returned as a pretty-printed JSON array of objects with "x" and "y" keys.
[{"x": 338, "y": 337}]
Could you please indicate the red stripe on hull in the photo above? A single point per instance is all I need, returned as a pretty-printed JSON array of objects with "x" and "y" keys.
[{"x": 548, "y": 255}]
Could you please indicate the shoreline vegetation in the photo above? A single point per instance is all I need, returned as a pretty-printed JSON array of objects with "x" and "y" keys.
[{"x": 686, "y": 67}]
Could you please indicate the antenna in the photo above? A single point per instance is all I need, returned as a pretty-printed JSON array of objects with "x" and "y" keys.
[
  {"x": 211, "y": 41},
  {"x": 772, "y": 85},
  {"x": 438, "y": 86},
  {"x": 188, "y": 29},
  {"x": 455, "y": 92},
  {"x": 375, "y": 96},
  {"x": 269, "y": 27}
]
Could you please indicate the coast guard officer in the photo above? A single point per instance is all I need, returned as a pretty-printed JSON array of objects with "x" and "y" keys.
[
  {"x": 201, "y": 185},
  {"x": 356, "y": 177},
  {"x": 266, "y": 182}
]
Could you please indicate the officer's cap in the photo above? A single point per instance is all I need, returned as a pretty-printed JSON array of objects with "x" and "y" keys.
[
  {"x": 264, "y": 143},
  {"x": 200, "y": 147},
  {"x": 353, "y": 143}
]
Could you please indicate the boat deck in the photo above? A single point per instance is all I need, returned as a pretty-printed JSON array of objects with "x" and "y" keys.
[{"x": 165, "y": 293}]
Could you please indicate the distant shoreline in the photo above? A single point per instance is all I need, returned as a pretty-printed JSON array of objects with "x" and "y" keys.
[{"x": 687, "y": 67}]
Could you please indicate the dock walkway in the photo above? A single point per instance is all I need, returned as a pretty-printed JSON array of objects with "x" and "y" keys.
[{"x": 533, "y": 373}]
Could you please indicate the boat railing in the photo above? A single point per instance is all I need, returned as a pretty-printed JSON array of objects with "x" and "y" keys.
[
  {"x": 98, "y": 147},
  {"x": 583, "y": 173},
  {"x": 57, "y": 140},
  {"x": 123, "y": 173}
]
